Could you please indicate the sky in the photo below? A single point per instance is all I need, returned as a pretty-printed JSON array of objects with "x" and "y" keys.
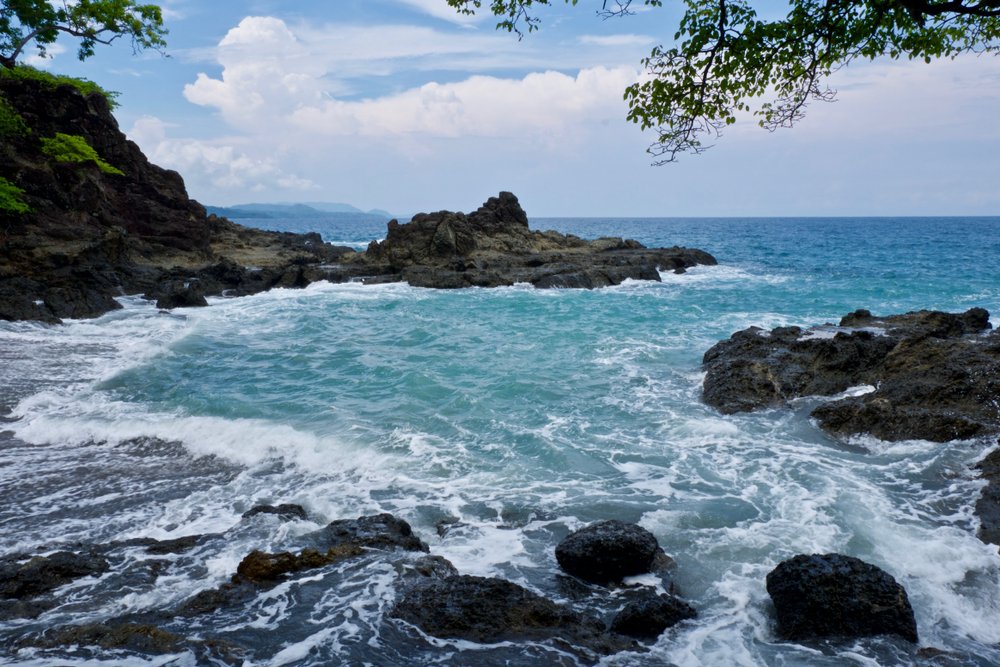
[{"x": 406, "y": 106}]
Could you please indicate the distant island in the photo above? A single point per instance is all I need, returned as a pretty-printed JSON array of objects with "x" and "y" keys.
[{"x": 305, "y": 210}]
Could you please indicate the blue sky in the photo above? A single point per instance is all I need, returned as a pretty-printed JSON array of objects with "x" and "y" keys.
[{"x": 403, "y": 105}]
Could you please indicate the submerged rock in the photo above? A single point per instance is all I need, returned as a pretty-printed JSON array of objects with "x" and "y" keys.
[
  {"x": 988, "y": 503},
  {"x": 649, "y": 615},
  {"x": 486, "y": 610},
  {"x": 268, "y": 569},
  {"x": 136, "y": 638},
  {"x": 832, "y": 595},
  {"x": 380, "y": 531},
  {"x": 286, "y": 511},
  {"x": 23, "y": 578},
  {"x": 935, "y": 375},
  {"x": 608, "y": 551}
]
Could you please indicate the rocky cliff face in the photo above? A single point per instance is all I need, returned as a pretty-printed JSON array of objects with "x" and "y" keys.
[{"x": 92, "y": 234}]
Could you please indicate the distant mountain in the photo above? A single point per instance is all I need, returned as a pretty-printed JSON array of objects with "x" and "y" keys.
[{"x": 308, "y": 210}]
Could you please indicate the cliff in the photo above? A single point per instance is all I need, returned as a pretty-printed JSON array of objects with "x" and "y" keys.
[{"x": 85, "y": 217}]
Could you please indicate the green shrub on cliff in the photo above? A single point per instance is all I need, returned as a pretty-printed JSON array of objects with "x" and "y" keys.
[
  {"x": 74, "y": 148},
  {"x": 10, "y": 198},
  {"x": 11, "y": 123},
  {"x": 85, "y": 86}
]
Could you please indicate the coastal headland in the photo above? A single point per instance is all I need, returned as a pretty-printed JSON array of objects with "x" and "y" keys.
[{"x": 96, "y": 220}]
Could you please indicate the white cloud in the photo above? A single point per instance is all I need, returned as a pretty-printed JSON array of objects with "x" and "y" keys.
[
  {"x": 539, "y": 105},
  {"x": 617, "y": 40},
  {"x": 273, "y": 77},
  {"x": 439, "y": 9},
  {"x": 219, "y": 163},
  {"x": 265, "y": 68},
  {"x": 35, "y": 59}
]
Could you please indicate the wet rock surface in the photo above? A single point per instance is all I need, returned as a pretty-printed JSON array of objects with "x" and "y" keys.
[
  {"x": 832, "y": 595},
  {"x": 936, "y": 375},
  {"x": 988, "y": 503},
  {"x": 139, "y": 638},
  {"x": 649, "y": 615},
  {"x": 494, "y": 246},
  {"x": 488, "y": 610},
  {"x": 608, "y": 551},
  {"x": 28, "y": 577},
  {"x": 380, "y": 531},
  {"x": 286, "y": 511}
]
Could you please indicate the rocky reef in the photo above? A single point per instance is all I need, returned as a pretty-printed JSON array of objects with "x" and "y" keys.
[
  {"x": 933, "y": 375},
  {"x": 925, "y": 375},
  {"x": 493, "y": 246}
]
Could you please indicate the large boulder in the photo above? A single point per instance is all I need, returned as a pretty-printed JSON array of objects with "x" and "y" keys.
[
  {"x": 935, "y": 375},
  {"x": 832, "y": 595},
  {"x": 488, "y": 610},
  {"x": 608, "y": 551}
]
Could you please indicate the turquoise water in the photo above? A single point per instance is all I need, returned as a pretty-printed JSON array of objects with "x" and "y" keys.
[{"x": 520, "y": 413}]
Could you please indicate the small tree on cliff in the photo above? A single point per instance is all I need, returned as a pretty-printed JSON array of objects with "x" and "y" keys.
[
  {"x": 725, "y": 55},
  {"x": 23, "y": 22}
]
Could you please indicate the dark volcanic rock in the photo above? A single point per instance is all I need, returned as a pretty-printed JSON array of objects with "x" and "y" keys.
[
  {"x": 287, "y": 511},
  {"x": 493, "y": 610},
  {"x": 264, "y": 569},
  {"x": 136, "y": 638},
  {"x": 380, "y": 531},
  {"x": 607, "y": 551},
  {"x": 832, "y": 595},
  {"x": 493, "y": 246},
  {"x": 187, "y": 294},
  {"x": 21, "y": 578},
  {"x": 937, "y": 375},
  {"x": 650, "y": 615},
  {"x": 988, "y": 504}
]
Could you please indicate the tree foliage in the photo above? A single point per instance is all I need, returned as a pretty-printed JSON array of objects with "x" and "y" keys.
[
  {"x": 11, "y": 198},
  {"x": 93, "y": 22},
  {"x": 74, "y": 148},
  {"x": 726, "y": 58}
]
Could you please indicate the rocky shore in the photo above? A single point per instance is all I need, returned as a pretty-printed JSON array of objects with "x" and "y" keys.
[
  {"x": 815, "y": 596},
  {"x": 78, "y": 231},
  {"x": 925, "y": 375}
]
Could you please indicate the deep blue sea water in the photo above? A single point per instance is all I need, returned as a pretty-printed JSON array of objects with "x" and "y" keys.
[{"x": 520, "y": 414}]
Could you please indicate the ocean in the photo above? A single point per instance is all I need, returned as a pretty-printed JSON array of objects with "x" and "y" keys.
[{"x": 512, "y": 416}]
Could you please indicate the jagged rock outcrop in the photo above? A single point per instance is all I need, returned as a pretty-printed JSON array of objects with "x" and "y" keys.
[
  {"x": 935, "y": 375},
  {"x": 494, "y": 246},
  {"x": 832, "y": 595}
]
